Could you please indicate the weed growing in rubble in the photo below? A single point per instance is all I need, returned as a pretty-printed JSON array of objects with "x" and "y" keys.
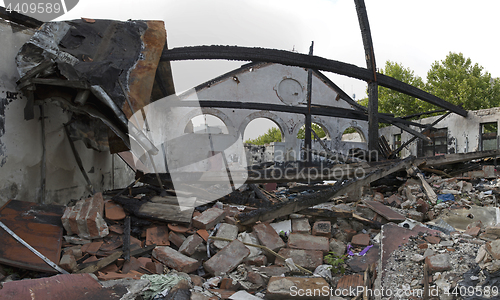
[{"x": 336, "y": 262}]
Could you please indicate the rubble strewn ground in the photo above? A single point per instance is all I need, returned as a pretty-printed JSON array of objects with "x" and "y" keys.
[{"x": 449, "y": 249}]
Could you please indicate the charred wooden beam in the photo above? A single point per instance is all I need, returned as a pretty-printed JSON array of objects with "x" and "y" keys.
[
  {"x": 428, "y": 127},
  {"x": 372, "y": 68},
  {"x": 333, "y": 112},
  {"x": 305, "y": 61},
  {"x": 306, "y": 201},
  {"x": 18, "y": 18},
  {"x": 423, "y": 114}
]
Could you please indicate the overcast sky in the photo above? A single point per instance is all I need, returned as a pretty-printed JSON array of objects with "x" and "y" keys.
[{"x": 413, "y": 33}]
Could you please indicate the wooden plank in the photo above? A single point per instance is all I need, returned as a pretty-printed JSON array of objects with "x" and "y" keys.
[
  {"x": 428, "y": 189},
  {"x": 102, "y": 263},
  {"x": 384, "y": 211},
  {"x": 167, "y": 212},
  {"x": 38, "y": 225}
]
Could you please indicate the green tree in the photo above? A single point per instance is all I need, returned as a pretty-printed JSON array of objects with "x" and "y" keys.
[
  {"x": 393, "y": 102},
  {"x": 318, "y": 129},
  {"x": 273, "y": 134},
  {"x": 457, "y": 80}
]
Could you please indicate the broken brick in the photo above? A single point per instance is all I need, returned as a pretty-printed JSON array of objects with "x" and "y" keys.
[
  {"x": 227, "y": 231},
  {"x": 394, "y": 201},
  {"x": 157, "y": 236},
  {"x": 279, "y": 288},
  {"x": 188, "y": 247},
  {"x": 209, "y": 218},
  {"x": 309, "y": 259},
  {"x": 259, "y": 260},
  {"x": 308, "y": 242},
  {"x": 361, "y": 239},
  {"x": 227, "y": 259},
  {"x": 68, "y": 262},
  {"x": 433, "y": 239},
  {"x": 438, "y": 262},
  {"x": 474, "y": 231},
  {"x": 301, "y": 226},
  {"x": 175, "y": 238},
  {"x": 114, "y": 211},
  {"x": 322, "y": 228},
  {"x": 175, "y": 260},
  {"x": 494, "y": 249},
  {"x": 268, "y": 236}
]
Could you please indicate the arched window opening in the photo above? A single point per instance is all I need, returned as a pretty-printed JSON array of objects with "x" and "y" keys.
[
  {"x": 353, "y": 134},
  {"x": 262, "y": 131},
  {"x": 204, "y": 124},
  {"x": 318, "y": 129}
]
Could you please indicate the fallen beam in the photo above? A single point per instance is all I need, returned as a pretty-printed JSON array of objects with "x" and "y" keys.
[
  {"x": 306, "y": 201},
  {"x": 306, "y": 61}
]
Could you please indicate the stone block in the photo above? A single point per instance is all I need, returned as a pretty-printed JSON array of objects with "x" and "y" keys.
[
  {"x": 188, "y": 247},
  {"x": 322, "y": 228},
  {"x": 345, "y": 235},
  {"x": 175, "y": 260},
  {"x": 301, "y": 226},
  {"x": 268, "y": 236},
  {"x": 308, "y": 242},
  {"x": 209, "y": 218},
  {"x": 438, "y": 262},
  {"x": 227, "y": 231},
  {"x": 309, "y": 259},
  {"x": 285, "y": 288},
  {"x": 338, "y": 247},
  {"x": 227, "y": 259},
  {"x": 361, "y": 239}
]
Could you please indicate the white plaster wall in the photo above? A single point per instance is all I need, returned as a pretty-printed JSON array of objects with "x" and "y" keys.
[
  {"x": 463, "y": 133},
  {"x": 21, "y": 143},
  {"x": 259, "y": 84}
]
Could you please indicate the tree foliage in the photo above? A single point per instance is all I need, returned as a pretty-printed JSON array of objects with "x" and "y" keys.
[
  {"x": 457, "y": 80},
  {"x": 273, "y": 134},
  {"x": 318, "y": 129}
]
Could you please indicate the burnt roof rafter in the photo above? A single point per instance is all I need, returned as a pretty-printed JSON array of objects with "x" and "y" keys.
[{"x": 305, "y": 61}]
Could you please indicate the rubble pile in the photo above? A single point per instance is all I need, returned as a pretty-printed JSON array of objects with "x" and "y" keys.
[{"x": 414, "y": 238}]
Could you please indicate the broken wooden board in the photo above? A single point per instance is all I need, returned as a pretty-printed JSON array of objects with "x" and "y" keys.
[
  {"x": 385, "y": 211},
  {"x": 37, "y": 224},
  {"x": 447, "y": 159},
  {"x": 428, "y": 189},
  {"x": 167, "y": 209},
  {"x": 158, "y": 208},
  {"x": 61, "y": 287}
]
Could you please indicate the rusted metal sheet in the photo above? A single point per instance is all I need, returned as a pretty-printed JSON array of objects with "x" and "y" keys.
[
  {"x": 40, "y": 226},
  {"x": 61, "y": 287}
]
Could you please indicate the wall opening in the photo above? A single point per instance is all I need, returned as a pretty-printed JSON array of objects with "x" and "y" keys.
[
  {"x": 206, "y": 123},
  {"x": 353, "y": 134},
  {"x": 261, "y": 131},
  {"x": 489, "y": 134},
  {"x": 319, "y": 129},
  {"x": 438, "y": 146}
]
